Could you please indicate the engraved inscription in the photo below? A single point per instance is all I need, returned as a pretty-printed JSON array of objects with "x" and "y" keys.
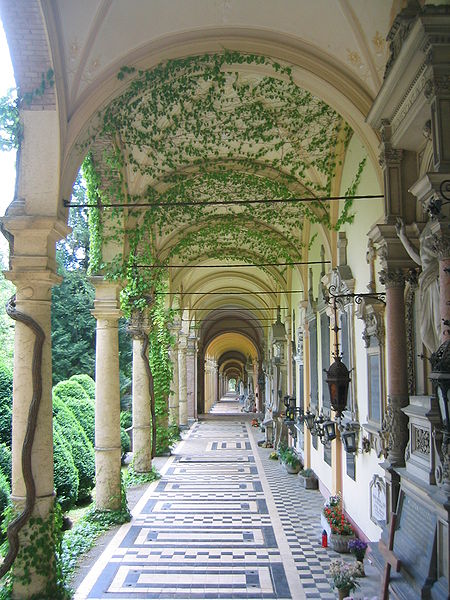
[{"x": 414, "y": 538}]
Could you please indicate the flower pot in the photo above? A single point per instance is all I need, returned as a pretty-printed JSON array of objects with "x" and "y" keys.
[
  {"x": 343, "y": 593},
  {"x": 291, "y": 469},
  {"x": 339, "y": 543},
  {"x": 360, "y": 571},
  {"x": 310, "y": 483}
]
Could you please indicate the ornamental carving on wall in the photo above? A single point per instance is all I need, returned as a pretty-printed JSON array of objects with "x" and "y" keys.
[{"x": 421, "y": 440}]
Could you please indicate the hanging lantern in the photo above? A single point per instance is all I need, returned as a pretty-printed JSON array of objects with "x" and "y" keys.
[{"x": 338, "y": 379}]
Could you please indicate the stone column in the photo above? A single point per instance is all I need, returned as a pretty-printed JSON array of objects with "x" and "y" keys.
[
  {"x": 142, "y": 429},
  {"x": 182, "y": 394},
  {"x": 191, "y": 378},
  {"x": 174, "y": 408},
  {"x": 32, "y": 270},
  {"x": 397, "y": 379},
  {"x": 107, "y": 395}
]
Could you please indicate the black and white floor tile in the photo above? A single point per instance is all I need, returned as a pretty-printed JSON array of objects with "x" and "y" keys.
[{"x": 223, "y": 522}]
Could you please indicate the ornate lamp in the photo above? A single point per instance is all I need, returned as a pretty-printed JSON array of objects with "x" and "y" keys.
[
  {"x": 278, "y": 337},
  {"x": 349, "y": 436},
  {"x": 338, "y": 376}
]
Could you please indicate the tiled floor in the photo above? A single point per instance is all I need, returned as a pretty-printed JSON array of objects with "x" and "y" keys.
[{"x": 223, "y": 522}]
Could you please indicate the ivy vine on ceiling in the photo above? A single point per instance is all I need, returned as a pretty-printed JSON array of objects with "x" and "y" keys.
[{"x": 226, "y": 126}]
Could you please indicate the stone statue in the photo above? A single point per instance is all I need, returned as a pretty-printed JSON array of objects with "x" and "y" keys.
[{"x": 430, "y": 324}]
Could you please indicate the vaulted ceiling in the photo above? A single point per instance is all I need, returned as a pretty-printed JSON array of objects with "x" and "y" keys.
[{"x": 189, "y": 105}]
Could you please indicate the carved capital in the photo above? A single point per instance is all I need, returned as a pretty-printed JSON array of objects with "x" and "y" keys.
[
  {"x": 392, "y": 278},
  {"x": 439, "y": 84}
]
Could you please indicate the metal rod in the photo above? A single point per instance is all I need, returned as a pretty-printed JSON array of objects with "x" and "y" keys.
[
  {"x": 284, "y": 264},
  {"x": 68, "y": 204},
  {"x": 227, "y": 293}
]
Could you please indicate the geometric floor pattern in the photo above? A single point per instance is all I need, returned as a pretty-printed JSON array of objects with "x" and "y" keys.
[{"x": 222, "y": 522}]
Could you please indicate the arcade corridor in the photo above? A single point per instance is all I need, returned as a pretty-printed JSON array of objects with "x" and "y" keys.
[{"x": 223, "y": 522}]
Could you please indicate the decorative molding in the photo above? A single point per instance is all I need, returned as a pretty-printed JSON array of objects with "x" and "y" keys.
[
  {"x": 372, "y": 313},
  {"x": 399, "y": 31}
]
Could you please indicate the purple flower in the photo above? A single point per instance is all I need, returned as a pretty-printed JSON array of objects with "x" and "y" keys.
[{"x": 357, "y": 546}]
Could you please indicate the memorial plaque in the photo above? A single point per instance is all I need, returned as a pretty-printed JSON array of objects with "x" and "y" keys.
[
  {"x": 313, "y": 359},
  {"x": 378, "y": 500},
  {"x": 327, "y": 453},
  {"x": 351, "y": 465},
  {"x": 415, "y": 538}
]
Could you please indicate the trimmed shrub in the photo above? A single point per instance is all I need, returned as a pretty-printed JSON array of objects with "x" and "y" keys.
[
  {"x": 6, "y": 381},
  {"x": 5, "y": 424},
  {"x": 66, "y": 474},
  {"x": 125, "y": 442},
  {"x": 84, "y": 412},
  {"x": 81, "y": 447},
  {"x": 6, "y": 386},
  {"x": 5, "y": 461},
  {"x": 69, "y": 389},
  {"x": 4, "y": 494},
  {"x": 126, "y": 419},
  {"x": 87, "y": 383}
]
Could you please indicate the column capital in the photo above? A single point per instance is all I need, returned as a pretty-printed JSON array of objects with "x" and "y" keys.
[
  {"x": 392, "y": 278},
  {"x": 107, "y": 302},
  {"x": 138, "y": 325},
  {"x": 33, "y": 247}
]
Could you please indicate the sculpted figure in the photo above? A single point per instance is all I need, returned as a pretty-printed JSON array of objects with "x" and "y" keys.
[{"x": 430, "y": 325}]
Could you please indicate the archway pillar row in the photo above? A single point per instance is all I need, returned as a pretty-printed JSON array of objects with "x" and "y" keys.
[
  {"x": 107, "y": 394},
  {"x": 138, "y": 328},
  {"x": 32, "y": 271}
]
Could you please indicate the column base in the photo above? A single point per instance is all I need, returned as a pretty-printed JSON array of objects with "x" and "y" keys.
[{"x": 107, "y": 478}]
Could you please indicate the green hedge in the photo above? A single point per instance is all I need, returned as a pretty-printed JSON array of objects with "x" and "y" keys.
[
  {"x": 126, "y": 419},
  {"x": 82, "y": 449},
  {"x": 5, "y": 423},
  {"x": 69, "y": 389},
  {"x": 87, "y": 383},
  {"x": 6, "y": 381},
  {"x": 84, "y": 412},
  {"x": 4, "y": 494},
  {"x": 125, "y": 442},
  {"x": 5, "y": 461},
  {"x": 6, "y": 386},
  {"x": 66, "y": 474}
]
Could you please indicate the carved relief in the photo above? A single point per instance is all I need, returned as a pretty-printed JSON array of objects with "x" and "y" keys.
[
  {"x": 421, "y": 440},
  {"x": 412, "y": 280}
]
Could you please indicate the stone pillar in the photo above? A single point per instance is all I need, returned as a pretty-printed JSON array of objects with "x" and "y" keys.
[
  {"x": 397, "y": 378},
  {"x": 182, "y": 394},
  {"x": 107, "y": 395},
  {"x": 191, "y": 378},
  {"x": 32, "y": 271},
  {"x": 174, "y": 408},
  {"x": 142, "y": 429}
]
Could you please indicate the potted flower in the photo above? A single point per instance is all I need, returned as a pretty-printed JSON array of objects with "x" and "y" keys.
[
  {"x": 309, "y": 479},
  {"x": 290, "y": 460},
  {"x": 341, "y": 531},
  {"x": 358, "y": 548},
  {"x": 343, "y": 577}
]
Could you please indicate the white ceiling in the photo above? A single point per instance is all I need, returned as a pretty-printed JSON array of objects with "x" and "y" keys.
[{"x": 98, "y": 36}]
